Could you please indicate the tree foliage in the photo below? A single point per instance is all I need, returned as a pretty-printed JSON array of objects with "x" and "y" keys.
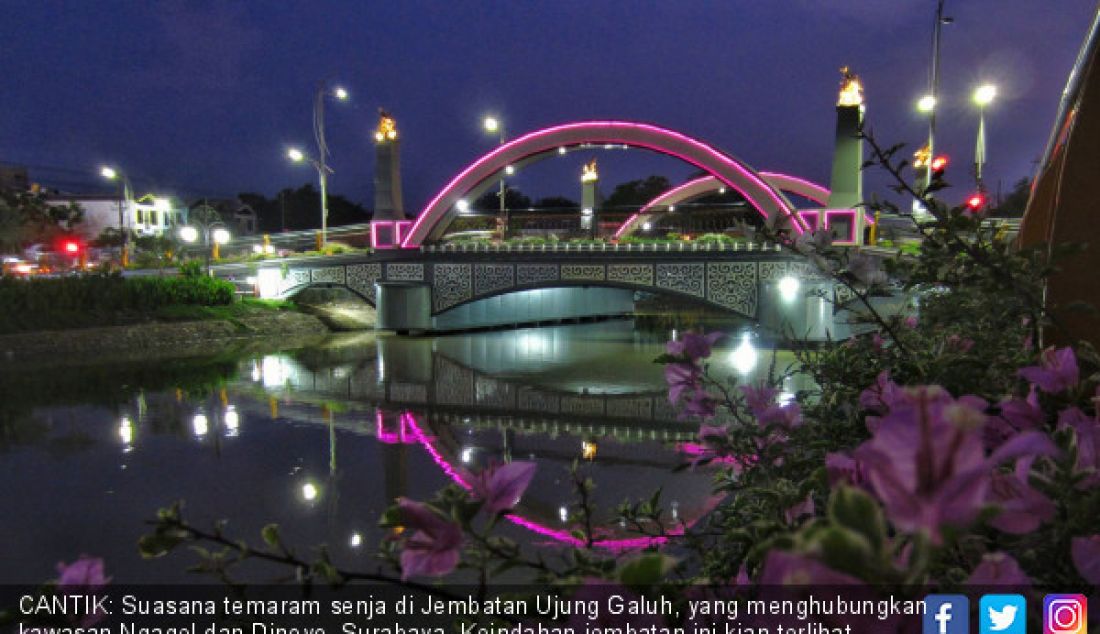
[
  {"x": 26, "y": 218},
  {"x": 633, "y": 194},
  {"x": 299, "y": 209}
]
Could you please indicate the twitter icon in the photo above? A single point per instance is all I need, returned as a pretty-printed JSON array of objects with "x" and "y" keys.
[{"x": 1002, "y": 614}]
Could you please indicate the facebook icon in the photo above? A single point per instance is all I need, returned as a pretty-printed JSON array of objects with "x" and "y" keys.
[{"x": 946, "y": 614}]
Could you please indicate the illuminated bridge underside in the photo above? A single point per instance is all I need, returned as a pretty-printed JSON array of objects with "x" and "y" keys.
[
  {"x": 726, "y": 280},
  {"x": 434, "y": 219}
]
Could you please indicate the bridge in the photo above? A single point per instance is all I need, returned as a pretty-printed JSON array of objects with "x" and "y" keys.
[
  {"x": 419, "y": 283},
  {"x": 442, "y": 288}
]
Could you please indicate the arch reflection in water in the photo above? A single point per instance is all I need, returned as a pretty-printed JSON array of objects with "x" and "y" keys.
[{"x": 553, "y": 394}]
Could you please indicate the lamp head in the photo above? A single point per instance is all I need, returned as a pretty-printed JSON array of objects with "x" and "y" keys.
[{"x": 985, "y": 94}]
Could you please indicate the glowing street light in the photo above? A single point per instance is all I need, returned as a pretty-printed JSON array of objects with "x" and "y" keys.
[
  {"x": 340, "y": 93},
  {"x": 493, "y": 125},
  {"x": 926, "y": 104},
  {"x": 983, "y": 96},
  {"x": 108, "y": 172},
  {"x": 310, "y": 491},
  {"x": 188, "y": 233},
  {"x": 295, "y": 155},
  {"x": 210, "y": 227}
]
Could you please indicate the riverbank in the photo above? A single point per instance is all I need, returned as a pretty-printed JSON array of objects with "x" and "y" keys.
[{"x": 213, "y": 334}]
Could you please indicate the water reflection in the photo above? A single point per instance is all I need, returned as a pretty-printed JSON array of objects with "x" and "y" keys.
[{"x": 342, "y": 429}]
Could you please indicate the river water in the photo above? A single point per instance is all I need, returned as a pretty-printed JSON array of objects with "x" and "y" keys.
[{"x": 321, "y": 439}]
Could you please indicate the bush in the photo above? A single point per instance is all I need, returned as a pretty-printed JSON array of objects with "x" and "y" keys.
[{"x": 41, "y": 303}]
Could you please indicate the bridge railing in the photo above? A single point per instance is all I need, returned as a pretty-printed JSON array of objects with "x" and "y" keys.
[{"x": 603, "y": 247}]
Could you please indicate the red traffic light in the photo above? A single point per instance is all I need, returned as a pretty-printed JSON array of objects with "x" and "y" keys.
[
  {"x": 939, "y": 163},
  {"x": 975, "y": 202},
  {"x": 72, "y": 247}
]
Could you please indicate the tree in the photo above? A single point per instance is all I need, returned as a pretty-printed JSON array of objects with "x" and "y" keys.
[
  {"x": 633, "y": 194},
  {"x": 299, "y": 209},
  {"x": 558, "y": 204},
  {"x": 26, "y": 218},
  {"x": 514, "y": 200},
  {"x": 1014, "y": 204}
]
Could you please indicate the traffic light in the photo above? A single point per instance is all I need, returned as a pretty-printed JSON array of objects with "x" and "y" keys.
[
  {"x": 71, "y": 247},
  {"x": 938, "y": 165},
  {"x": 976, "y": 202}
]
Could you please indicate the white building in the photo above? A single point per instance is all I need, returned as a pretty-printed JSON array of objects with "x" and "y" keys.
[{"x": 147, "y": 216}]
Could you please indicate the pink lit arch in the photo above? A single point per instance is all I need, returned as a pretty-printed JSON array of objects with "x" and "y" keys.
[
  {"x": 433, "y": 220},
  {"x": 709, "y": 185}
]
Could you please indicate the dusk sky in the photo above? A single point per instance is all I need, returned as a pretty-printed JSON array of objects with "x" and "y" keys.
[{"x": 202, "y": 98}]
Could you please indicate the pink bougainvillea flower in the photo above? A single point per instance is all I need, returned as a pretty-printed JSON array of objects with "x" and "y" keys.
[
  {"x": 434, "y": 544},
  {"x": 926, "y": 461},
  {"x": 796, "y": 512},
  {"x": 842, "y": 469},
  {"x": 682, "y": 378},
  {"x": 877, "y": 342},
  {"x": 1022, "y": 508},
  {"x": 1086, "y": 557},
  {"x": 699, "y": 405},
  {"x": 693, "y": 346},
  {"x": 998, "y": 569},
  {"x": 85, "y": 576},
  {"x": 500, "y": 487},
  {"x": 1087, "y": 431},
  {"x": 760, "y": 399},
  {"x": 1057, "y": 370},
  {"x": 881, "y": 396},
  {"x": 1017, "y": 414}
]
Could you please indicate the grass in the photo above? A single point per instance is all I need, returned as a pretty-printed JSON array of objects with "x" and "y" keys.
[{"x": 73, "y": 319}]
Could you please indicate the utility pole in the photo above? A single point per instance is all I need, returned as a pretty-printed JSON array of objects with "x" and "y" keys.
[{"x": 934, "y": 83}]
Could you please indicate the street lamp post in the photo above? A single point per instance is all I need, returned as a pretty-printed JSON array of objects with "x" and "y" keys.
[
  {"x": 930, "y": 100},
  {"x": 323, "y": 170},
  {"x": 298, "y": 156},
  {"x": 493, "y": 125},
  {"x": 983, "y": 96},
  {"x": 213, "y": 232},
  {"x": 126, "y": 195}
]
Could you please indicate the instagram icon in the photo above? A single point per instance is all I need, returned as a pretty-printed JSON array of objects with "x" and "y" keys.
[{"x": 1065, "y": 614}]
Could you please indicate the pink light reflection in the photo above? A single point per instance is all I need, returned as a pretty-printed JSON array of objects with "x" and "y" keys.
[
  {"x": 626, "y": 544},
  {"x": 387, "y": 437}
]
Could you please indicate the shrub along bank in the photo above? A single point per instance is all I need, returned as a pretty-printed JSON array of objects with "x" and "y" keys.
[{"x": 110, "y": 299}]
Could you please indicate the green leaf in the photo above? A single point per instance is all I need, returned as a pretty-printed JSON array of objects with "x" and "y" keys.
[
  {"x": 159, "y": 544},
  {"x": 845, "y": 550},
  {"x": 645, "y": 571},
  {"x": 855, "y": 510},
  {"x": 270, "y": 533}
]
